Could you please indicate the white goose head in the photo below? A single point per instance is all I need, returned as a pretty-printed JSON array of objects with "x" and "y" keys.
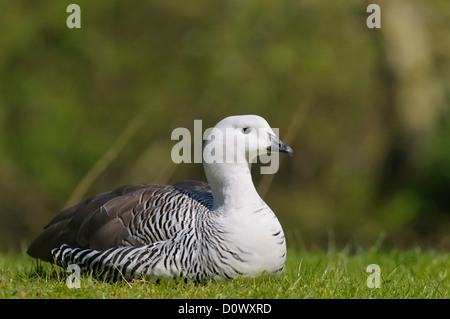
[
  {"x": 232, "y": 145},
  {"x": 242, "y": 138}
]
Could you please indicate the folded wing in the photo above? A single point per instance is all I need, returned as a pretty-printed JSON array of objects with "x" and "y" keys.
[{"x": 132, "y": 215}]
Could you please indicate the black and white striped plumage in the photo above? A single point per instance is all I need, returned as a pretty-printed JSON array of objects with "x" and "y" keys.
[{"x": 190, "y": 229}]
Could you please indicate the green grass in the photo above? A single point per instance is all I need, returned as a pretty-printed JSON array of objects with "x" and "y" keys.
[{"x": 313, "y": 274}]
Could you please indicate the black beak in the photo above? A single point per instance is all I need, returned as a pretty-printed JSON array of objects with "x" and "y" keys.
[{"x": 278, "y": 146}]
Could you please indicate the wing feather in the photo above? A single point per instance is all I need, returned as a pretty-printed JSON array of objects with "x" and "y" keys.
[{"x": 132, "y": 215}]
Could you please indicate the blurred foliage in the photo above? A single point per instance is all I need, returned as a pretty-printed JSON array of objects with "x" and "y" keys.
[{"x": 365, "y": 110}]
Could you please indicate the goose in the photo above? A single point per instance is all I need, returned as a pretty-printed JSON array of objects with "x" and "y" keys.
[{"x": 191, "y": 230}]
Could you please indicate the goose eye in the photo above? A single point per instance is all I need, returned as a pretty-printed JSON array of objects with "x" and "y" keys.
[{"x": 246, "y": 130}]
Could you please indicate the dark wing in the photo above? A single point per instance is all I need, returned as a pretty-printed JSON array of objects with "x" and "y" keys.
[
  {"x": 193, "y": 185},
  {"x": 130, "y": 215}
]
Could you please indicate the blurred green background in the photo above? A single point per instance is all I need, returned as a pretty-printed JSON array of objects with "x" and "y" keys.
[{"x": 83, "y": 111}]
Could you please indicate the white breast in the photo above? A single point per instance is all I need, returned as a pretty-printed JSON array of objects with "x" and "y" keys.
[{"x": 259, "y": 236}]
